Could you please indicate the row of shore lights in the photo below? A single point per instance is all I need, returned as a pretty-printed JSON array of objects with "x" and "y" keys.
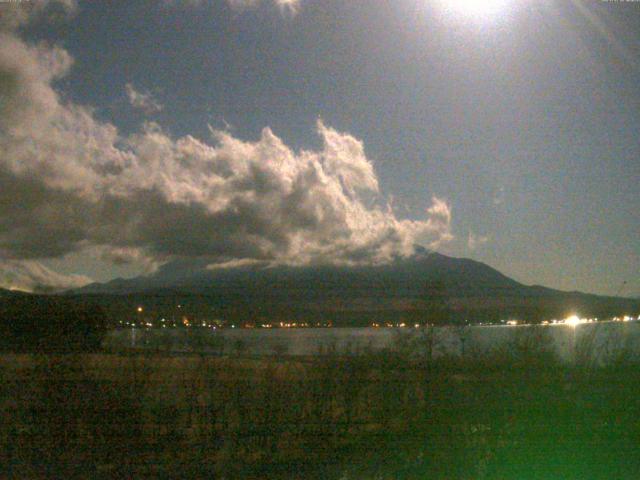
[{"x": 572, "y": 320}]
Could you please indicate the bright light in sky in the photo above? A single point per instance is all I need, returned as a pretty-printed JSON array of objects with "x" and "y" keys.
[{"x": 475, "y": 8}]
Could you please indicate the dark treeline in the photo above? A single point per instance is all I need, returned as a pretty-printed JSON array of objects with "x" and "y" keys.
[
  {"x": 37, "y": 323},
  {"x": 436, "y": 307}
]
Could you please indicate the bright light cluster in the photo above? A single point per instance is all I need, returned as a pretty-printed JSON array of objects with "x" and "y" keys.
[{"x": 573, "y": 320}]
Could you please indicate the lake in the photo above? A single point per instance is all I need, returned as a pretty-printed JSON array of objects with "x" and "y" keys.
[{"x": 602, "y": 342}]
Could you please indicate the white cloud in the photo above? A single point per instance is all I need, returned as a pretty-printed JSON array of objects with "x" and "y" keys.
[
  {"x": 291, "y": 6},
  {"x": 474, "y": 241},
  {"x": 236, "y": 264},
  {"x": 142, "y": 100},
  {"x": 439, "y": 220},
  {"x": 70, "y": 183},
  {"x": 32, "y": 276}
]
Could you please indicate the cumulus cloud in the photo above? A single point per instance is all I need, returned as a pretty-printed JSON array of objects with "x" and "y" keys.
[
  {"x": 142, "y": 100},
  {"x": 439, "y": 220},
  {"x": 474, "y": 241},
  {"x": 69, "y": 182},
  {"x": 32, "y": 276}
]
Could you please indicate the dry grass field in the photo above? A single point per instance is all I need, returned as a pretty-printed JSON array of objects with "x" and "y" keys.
[{"x": 375, "y": 415}]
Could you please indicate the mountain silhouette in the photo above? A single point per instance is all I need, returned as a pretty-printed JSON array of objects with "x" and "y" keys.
[{"x": 426, "y": 287}]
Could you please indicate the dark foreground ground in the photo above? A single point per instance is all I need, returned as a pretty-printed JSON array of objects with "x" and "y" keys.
[{"x": 371, "y": 416}]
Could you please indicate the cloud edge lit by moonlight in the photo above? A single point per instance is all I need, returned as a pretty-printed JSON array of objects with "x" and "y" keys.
[{"x": 72, "y": 183}]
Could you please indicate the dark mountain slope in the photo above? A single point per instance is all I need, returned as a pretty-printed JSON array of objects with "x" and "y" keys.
[{"x": 425, "y": 287}]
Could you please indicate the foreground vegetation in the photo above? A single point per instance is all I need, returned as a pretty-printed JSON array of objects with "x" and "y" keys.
[{"x": 516, "y": 414}]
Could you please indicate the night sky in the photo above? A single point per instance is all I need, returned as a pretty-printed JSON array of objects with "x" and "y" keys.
[{"x": 506, "y": 131}]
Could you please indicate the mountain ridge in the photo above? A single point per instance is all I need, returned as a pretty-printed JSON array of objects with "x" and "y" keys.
[{"x": 428, "y": 285}]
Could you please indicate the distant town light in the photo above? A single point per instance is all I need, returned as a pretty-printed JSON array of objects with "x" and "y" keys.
[
  {"x": 140, "y": 309},
  {"x": 573, "y": 320}
]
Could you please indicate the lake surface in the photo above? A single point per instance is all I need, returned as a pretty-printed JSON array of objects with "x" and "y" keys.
[{"x": 602, "y": 342}]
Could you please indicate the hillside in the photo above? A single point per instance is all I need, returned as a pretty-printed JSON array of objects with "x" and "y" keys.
[{"x": 427, "y": 287}]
